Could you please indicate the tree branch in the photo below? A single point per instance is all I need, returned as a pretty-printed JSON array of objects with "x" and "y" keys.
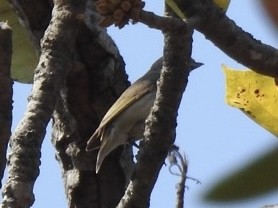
[
  {"x": 160, "y": 125},
  {"x": 223, "y": 32},
  {"x": 57, "y": 47},
  {"x": 91, "y": 88},
  {"x": 161, "y": 23},
  {"x": 230, "y": 38},
  {"x": 6, "y": 92}
]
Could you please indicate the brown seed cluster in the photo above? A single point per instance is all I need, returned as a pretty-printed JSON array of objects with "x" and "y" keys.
[{"x": 119, "y": 11}]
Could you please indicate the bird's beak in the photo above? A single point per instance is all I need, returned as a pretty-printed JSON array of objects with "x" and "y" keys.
[{"x": 194, "y": 65}]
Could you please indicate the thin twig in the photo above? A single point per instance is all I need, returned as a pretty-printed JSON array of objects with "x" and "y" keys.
[{"x": 177, "y": 160}]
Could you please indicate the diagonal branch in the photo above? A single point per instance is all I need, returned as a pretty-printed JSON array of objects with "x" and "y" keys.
[
  {"x": 223, "y": 32},
  {"x": 57, "y": 47},
  {"x": 237, "y": 43},
  {"x": 6, "y": 92},
  {"x": 230, "y": 38}
]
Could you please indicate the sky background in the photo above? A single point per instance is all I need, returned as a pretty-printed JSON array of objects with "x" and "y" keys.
[{"x": 216, "y": 138}]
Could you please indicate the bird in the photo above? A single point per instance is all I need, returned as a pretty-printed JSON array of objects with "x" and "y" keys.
[{"x": 125, "y": 120}]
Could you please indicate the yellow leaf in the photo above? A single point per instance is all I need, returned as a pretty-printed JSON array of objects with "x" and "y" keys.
[
  {"x": 223, "y": 4},
  {"x": 256, "y": 95}
]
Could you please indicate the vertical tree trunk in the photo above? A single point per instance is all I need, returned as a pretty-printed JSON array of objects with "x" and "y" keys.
[
  {"x": 95, "y": 79},
  {"x": 5, "y": 92}
]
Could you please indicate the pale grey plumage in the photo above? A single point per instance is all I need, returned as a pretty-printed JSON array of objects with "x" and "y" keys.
[{"x": 124, "y": 121}]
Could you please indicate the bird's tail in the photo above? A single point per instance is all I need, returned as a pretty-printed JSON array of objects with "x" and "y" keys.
[
  {"x": 94, "y": 142},
  {"x": 106, "y": 148}
]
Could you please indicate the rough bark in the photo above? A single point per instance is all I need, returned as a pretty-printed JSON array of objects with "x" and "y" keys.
[
  {"x": 88, "y": 77},
  {"x": 57, "y": 48},
  {"x": 96, "y": 80},
  {"x": 230, "y": 38},
  {"x": 35, "y": 15},
  {"x": 161, "y": 124},
  {"x": 96, "y": 77},
  {"x": 223, "y": 32},
  {"x": 6, "y": 92}
]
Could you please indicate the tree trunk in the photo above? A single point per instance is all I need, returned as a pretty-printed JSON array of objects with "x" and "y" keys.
[
  {"x": 6, "y": 93},
  {"x": 95, "y": 79}
]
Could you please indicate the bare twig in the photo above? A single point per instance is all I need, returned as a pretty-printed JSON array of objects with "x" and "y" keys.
[
  {"x": 5, "y": 92},
  {"x": 179, "y": 161}
]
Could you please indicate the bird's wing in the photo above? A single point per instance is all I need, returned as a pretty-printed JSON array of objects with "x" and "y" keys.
[{"x": 124, "y": 101}]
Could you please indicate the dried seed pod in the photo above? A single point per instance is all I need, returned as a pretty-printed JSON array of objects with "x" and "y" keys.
[
  {"x": 126, "y": 6},
  {"x": 107, "y": 21},
  {"x": 119, "y": 11},
  {"x": 118, "y": 15}
]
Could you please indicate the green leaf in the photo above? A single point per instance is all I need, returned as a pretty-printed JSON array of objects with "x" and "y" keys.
[
  {"x": 257, "y": 178},
  {"x": 25, "y": 58}
]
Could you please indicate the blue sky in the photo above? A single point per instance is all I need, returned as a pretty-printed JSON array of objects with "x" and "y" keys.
[{"x": 216, "y": 138}]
